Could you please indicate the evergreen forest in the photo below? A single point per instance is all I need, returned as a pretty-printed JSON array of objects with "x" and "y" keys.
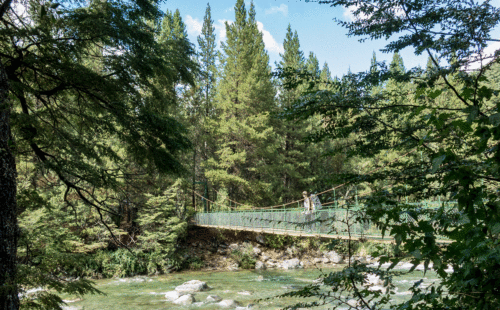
[{"x": 115, "y": 130}]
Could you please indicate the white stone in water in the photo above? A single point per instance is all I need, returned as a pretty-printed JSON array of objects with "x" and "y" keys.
[
  {"x": 377, "y": 288},
  {"x": 198, "y": 304},
  {"x": 260, "y": 278},
  {"x": 245, "y": 293},
  {"x": 213, "y": 298},
  {"x": 260, "y": 265},
  {"x": 184, "y": 300},
  {"x": 172, "y": 295},
  {"x": 352, "y": 302},
  {"x": 293, "y": 263},
  {"x": 373, "y": 279},
  {"x": 192, "y": 286},
  {"x": 228, "y": 303}
]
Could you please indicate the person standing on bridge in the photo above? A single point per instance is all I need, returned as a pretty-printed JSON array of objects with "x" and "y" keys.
[{"x": 308, "y": 206}]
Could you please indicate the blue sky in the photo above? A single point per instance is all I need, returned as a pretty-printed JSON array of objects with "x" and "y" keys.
[{"x": 314, "y": 23}]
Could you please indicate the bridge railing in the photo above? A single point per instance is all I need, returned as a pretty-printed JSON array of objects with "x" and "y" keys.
[{"x": 330, "y": 221}]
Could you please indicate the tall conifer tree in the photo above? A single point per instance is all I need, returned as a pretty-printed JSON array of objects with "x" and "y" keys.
[
  {"x": 245, "y": 97},
  {"x": 208, "y": 56}
]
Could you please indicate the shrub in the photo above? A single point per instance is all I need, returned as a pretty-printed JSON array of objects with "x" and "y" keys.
[{"x": 244, "y": 260}]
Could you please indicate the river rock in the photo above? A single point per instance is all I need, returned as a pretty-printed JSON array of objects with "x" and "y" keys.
[
  {"x": 325, "y": 260},
  {"x": 228, "y": 303},
  {"x": 293, "y": 263},
  {"x": 260, "y": 239},
  {"x": 184, "y": 300},
  {"x": 172, "y": 295},
  {"x": 256, "y": 252},
  {"x": 234, "y": 246},
  {"x": 264, "y": 258},
  {"x": 213, "y": 298},
  {"x": 373, "y": 279},
  {"x": 192, "y": 287},
  {"x": 334, "y": 257},
  {"x": 260, "y": 265},
  {"x": 292, "y": 251},
  {"x": 248, "y": 293},
  {"x": 317, "y": 260},
  {"x": 359, "y": 259},
  {"x": 198, "y": 304}
]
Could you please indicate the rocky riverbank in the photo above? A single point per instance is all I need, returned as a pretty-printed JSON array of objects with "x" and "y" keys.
[{"x": 213, "y": 250}]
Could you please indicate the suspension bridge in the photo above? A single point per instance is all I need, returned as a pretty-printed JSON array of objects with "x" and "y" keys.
[{"x": 335, "y": 219}]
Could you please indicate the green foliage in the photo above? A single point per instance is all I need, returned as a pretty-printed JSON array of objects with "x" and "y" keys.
[
  {"x": 244, "y": 259},
  {"x": 375, "y": 249},
  {"x": 279, "y": 241},
  {"x": 163, "y": 222},
  {"x": 440, "y": 126},
  {"x": 192, "y": 263}
]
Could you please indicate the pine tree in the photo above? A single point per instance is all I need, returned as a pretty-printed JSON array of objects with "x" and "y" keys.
[
  {"x": 293, "y": 157},
  {"x": 312, "y": 65},
  {"x": 325, "y": 77},
  {"x": 245, "y": 96},
  {"x": 207, "y": 57},
  {"x": 397, "y": 64}
]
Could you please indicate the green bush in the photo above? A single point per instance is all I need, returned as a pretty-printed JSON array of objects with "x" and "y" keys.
[
  {"x": 279, "y": 241},
  {"x": 244, "y": 260},
  {"x": 193, "y": 263}
]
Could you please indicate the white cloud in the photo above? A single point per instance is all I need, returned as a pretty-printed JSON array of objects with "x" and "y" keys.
[
  {"x": 270, "y": 43},
  {"x": 194, "y": 26},
  {"x": 481, "y": 59},
  {"x": 283, "y": 8},
  {"x": 220, "y": 26}
]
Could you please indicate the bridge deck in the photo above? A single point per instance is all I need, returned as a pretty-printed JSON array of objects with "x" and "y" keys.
[{"x": 305, "y": 234}]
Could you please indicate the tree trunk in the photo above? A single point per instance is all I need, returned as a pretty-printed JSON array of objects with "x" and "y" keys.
[{"x": 9, "y": 230}]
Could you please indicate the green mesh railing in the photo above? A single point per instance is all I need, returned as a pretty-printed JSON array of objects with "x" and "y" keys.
[{"x": 329, "y": 221}]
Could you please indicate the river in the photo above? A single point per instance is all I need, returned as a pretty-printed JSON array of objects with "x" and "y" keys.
[{"x": 243, "y": 286}]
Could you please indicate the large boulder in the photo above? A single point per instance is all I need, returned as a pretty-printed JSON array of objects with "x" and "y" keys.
[
  {"x": 184, "y": 300},
  {"x": 293, "y": 263},
  {"x": 192, "y": 287},
  {"x": 318, "y": 260},
  {"x": 260, "y": 265},
  {"x": 228, "y": 303},
  {"x": 334, "y": 257},
  {"x": 172, "y": 295}
]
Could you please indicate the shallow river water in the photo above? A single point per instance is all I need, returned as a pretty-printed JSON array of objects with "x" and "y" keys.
[{"x": 243, "y": 286}]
